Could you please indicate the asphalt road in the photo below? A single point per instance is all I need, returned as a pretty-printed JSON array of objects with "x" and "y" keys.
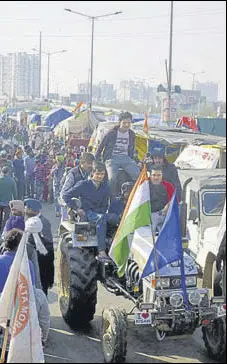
[{"x": 67, "y": 346}]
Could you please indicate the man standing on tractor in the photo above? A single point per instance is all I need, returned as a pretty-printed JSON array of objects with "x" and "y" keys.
[{"x": 117, "y": 151}]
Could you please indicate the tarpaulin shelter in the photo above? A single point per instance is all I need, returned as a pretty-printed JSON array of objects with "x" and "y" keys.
[
  {"x": 35, "y": 118},
  {"x": 56, "y": 116},
  {"x": 77, "y": 125},
  {"x": 213, "y": 126}
]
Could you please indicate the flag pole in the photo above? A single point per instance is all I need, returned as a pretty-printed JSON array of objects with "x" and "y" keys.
[
  {"x": 5, "y": 340},
  {"x": 155, "y": 252}
]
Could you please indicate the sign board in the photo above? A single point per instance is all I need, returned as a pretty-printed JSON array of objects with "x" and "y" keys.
[{"x": 195, "y": 157}]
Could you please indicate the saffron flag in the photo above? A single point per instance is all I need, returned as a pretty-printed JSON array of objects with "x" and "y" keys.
[
  {"x": 145, "y": 126},
  {"x": 137, "y": 213},
  {"x": 168, "y": 247},
  {"x": 17, "y": 304},
  {"x": 77, "y": 107}
]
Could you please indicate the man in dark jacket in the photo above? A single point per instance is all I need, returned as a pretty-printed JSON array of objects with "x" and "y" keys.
[
  {"x": 94, "y": 194},
  {"x": 169, "y": 170},
  {"x": 78, "y": 173},
  {"x": 117, "y": 151}
]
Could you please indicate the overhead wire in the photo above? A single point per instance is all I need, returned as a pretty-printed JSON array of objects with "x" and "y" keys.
[{"x": 117, "y": 19}]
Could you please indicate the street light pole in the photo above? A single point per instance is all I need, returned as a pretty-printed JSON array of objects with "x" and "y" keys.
[
  {"x": 193, "y": 87},
  {"x": 193, "y": 77},
  {"x": 49, "y": 54},
  {"x": 40, "y": 57},
  {"x": 170, "y": 62},
  {"x": 48, "y": 75},
  {"x": 92, "y": 18},
  {"x": 91, "y": 68}
]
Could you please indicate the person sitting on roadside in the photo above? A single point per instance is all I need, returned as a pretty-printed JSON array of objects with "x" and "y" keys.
[
  {"x": 117, "y": 151},
  {"x": 161, "y": 193},
  {"x": 46, "y": 262},
  {"x": 169, "y": 170},
  {"x": 94, "y": 195}
]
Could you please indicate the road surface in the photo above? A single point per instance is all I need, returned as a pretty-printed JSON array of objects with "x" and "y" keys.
[{"x": 67, "y": 346}]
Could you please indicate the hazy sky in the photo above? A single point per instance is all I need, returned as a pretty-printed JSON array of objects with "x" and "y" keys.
[{"x": 132, "y": 44}]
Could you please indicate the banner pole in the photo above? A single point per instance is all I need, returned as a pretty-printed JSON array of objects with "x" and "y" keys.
[{"x": 4, "y": 346}]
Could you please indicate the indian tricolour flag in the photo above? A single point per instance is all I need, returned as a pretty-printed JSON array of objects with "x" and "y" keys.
[{"x": 136, "y": 214}]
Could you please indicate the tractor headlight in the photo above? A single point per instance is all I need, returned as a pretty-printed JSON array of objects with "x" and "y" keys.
[
  {"x": 162, "y": 283},
  {"x": 195, "y": 298},
  {"x": 190, "y": 281},
  {"x": 176, "y": 300}
]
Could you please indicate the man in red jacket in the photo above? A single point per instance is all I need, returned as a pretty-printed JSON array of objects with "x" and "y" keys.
[{"x": 161, "y": 193}]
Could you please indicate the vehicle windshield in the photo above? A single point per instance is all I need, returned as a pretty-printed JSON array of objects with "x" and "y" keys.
[{"x": 213, "y": 202}]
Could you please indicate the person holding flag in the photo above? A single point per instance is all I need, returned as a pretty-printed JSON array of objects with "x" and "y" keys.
[
  {"x": 137, "y": 214},
  {"x": 168, "y": 246},
  {"x": 10, "y": 245},
  {"x": 20, "y": 306},
  {"x": 161, "y": 193}
]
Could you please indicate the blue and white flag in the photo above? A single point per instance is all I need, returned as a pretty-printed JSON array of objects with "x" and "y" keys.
[{"x": 168, "y": 247}]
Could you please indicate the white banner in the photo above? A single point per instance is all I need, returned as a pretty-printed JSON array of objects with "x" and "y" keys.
[
  {"x": 25, "y": 344},
  {"x": 17, "y": 304},
  {"x": 194, "y": 157}
]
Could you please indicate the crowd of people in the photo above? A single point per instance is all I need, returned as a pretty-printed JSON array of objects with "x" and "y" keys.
[
  {"x": 30, "y": 175},
  {"x": 75, "y": 180}
]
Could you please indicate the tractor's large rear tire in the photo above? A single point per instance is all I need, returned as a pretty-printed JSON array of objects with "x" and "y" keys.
[
  {"x": 214, "y": 337},
  {"x": 77, "y": 283},
  {"x": 114, "y": 335}
]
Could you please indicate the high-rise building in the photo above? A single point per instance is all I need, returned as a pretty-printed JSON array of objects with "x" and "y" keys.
[
  {"x": 209, "y": 90},
  {"x": 107, "y": 92},
  {"x": 5, "y": 75},
  {"x": 19, "y": 75},
  {"x": 102, "y": 92},
  {"x": 136, "y": 91}
]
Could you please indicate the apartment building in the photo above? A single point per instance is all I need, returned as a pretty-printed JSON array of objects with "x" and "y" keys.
[{"x": 19, "y": 75}]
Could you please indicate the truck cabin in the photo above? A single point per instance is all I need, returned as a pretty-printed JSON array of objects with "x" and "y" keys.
[{"x": 205, "y": 196}]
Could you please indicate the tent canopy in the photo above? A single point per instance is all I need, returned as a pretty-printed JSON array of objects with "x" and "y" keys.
[
  {"x": 56, "y": 116},
  {"x": 35, "y": 118},
  {"x": 74, "y": 125}
]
